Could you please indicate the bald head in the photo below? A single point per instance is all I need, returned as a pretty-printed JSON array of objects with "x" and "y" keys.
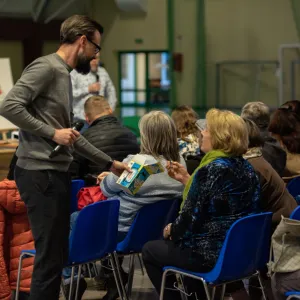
[{"x": 96, "y": 107}]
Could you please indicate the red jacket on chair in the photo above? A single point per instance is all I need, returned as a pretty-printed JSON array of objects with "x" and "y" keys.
[{"x": 15, "y": 235}]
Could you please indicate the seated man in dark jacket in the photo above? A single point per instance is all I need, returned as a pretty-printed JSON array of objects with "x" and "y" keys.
[
  {"x": 272, "y": 152},
  {"x": 107, "y": 134}
]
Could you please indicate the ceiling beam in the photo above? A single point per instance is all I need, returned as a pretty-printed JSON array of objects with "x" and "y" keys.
[{"x": 38, "y": 9}]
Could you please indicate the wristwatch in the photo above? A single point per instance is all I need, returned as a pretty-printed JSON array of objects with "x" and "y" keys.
[{"x": 109, "y": 164}]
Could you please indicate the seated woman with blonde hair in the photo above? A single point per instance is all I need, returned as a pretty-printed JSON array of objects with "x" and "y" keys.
[{"x": 223, "y": 189}]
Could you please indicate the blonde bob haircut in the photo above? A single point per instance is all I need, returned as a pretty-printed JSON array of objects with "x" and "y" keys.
[
  {"x": 228, "y": 132},
  {"x": 159, "y": 136}
]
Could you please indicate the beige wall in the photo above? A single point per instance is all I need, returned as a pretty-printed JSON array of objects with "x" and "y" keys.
[
  {"x": 247, "y": 30},
  {"x": 121, "y": 29},
  {"x": 236, "y": 30},
  {"x": 50, "y": 47},
  {"x": 13, "y": 50}
]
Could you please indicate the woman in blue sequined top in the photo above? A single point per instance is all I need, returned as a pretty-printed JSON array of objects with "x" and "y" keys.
[{"x": 222, "y": 189}]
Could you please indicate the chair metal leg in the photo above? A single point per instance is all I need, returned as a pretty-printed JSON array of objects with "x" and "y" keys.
[
  {"x": 223, "y": 291},
  {"x": 19, "y": 277},
  {"x": 95, "y": 269},
  {"x": 63, "y": 289},
  {"x": 89, "y": 270},
  {"x": 183, "y": 295},
  {"x": 71, "y": 283},
  {"x": 206, "y": 290},
  {"x": 262, "y": 287},
  {"x": 115, "y": 256},
  {"x": 213, "y": 293},
  {"x": 78, "y": 280},
  {"x": 130, "y": 277},
  {"x": 117, "y": 279},
  {"x": 141, "y": 264},
  {"x": 163, "y": 283}
]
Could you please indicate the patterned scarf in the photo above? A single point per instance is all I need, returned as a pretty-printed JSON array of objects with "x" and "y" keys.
[{"x": 208, "y": 158}]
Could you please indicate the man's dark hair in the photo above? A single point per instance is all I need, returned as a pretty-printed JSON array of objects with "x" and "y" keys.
[{"x": 76, "y": 26}]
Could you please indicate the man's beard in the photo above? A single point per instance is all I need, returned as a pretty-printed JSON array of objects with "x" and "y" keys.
[{"x": 83, "y": 65}]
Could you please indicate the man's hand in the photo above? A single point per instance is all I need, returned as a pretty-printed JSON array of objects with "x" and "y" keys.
[
  {"x": 65, "y": 137},
  {"x": 102, "y": 176},
  {"x": 94, "y": 88},
  {"x": 118, "y": 167}
]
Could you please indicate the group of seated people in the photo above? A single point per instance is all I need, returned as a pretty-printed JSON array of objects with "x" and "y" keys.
[{"x": 223, "y": 168}]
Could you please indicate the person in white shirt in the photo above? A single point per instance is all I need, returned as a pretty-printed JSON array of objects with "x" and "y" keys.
[{"x": 96, "y": 82}]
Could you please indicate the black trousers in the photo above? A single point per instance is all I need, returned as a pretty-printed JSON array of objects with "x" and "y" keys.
[
  {"x": 158, "y": 254},
  {"x": 47, "y": 198}
]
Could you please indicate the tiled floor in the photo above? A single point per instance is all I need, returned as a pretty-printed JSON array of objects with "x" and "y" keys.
[{"x": 142, "y": 289}]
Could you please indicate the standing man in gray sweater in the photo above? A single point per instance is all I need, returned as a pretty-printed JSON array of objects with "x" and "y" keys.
[{"x": 40, "y": 104}]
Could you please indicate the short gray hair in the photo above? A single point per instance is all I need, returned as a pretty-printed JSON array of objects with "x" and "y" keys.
[{"x": 258, "y": 112}]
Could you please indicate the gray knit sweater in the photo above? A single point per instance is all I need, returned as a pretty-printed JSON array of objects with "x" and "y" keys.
[
  {"x": 157, "y": 187},
  {"x": 39, "y": 103}
]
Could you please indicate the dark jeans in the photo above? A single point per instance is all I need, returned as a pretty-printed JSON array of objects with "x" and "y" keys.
[
  {"x": 47, "y": 198},
  {"x": 158, "y": 254}
]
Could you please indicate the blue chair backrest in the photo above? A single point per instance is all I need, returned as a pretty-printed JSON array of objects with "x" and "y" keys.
[
  {"x": 246, "y": 247},
  {"x": 294, "y": 186},
  {"x": 148, "y": 225},
  {"x": 295, "y": 215},
  {"x": 77, "y": 184},
  {"x": 95, "y": 232}
]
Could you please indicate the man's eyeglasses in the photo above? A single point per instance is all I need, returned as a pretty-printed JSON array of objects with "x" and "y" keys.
[{"x": 97, "y": 47}]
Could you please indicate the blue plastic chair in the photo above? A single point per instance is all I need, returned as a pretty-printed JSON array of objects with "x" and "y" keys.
[
  {"x": 77, "y": 184},
  {"x": 147, "y": 226},
  {"x": 294, "y": 187},
  {"x": 93, "y": 238},
  {"x": 292, "y": 295},
  {"x": 295, "y": 215},
  {"x": 244, "y": 252}
]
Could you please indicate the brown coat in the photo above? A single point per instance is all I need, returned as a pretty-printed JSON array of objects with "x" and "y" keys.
[
  {"x": 274, "y": 195},
  {"x": 15, "y": 235}
]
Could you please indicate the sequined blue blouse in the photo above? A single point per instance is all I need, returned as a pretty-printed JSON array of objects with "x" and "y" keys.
[{"x": 222, "y": 192}]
